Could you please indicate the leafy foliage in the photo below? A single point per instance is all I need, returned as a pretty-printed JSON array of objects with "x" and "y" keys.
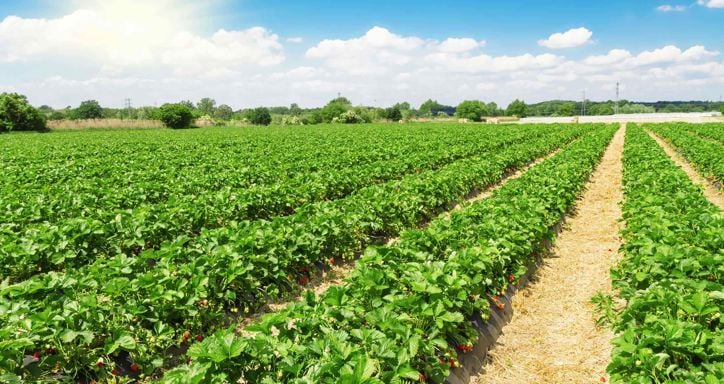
[
  {"x": 259, "y": 116},
  {"x": 690, "y": 140},
  {"x": 175, "y": 116},
  {"x": 89, "y": 109},
  {"x": 16, "y": 114},
  {"x": 670, "y": 276},
  {"x": 472, "y": 110},
  {"x": 517, "y": 108},
  {"x": 166, "y": 256},
  {"x": 405, "y": 306}
]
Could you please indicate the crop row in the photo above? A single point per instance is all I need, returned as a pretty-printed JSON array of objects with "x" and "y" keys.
[
  {"x": 406, "y": 308},
  {"x": 143, "y": 305},
  {"x": 145, "y": 169},
  {"x": 74, "y": 241},
  {"x": 713, "y": 131},
  {"x": 671, "y": 275},
  {"x": 707, "y": 156}
]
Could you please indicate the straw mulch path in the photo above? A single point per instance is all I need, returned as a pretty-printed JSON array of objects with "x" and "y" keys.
[{"x": 553, "y": 337}]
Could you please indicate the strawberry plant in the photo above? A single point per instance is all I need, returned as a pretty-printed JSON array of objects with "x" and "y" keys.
[
  {"x": 406, "y": 307},
  {"x": 671, "y": 275}
]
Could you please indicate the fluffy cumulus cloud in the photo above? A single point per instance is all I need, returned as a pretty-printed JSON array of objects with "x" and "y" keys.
[
  {"x": 571, "y": 38},
  {"x": 118, "y": 44},
  {"x": 94, "y": 54}
]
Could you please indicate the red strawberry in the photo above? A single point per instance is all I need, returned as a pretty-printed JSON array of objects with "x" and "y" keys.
[
  {"x": 422, "y": 377},
  {"x": 199, "y": 338},
  {"x": 511, "y": 278},
  {"x": 36, "y": 355},
  {"x": 331, "y": 260},
  {"x": 500, "y": 305},
  {"x": 134, "y": 367},
  {"x": 114, "y": 372},
  {"x": 603, "y": 379},
  {"x": 303, "y": 280}
]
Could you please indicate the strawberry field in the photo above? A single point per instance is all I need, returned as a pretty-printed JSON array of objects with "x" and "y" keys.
[{"x": 136, "y": 255}]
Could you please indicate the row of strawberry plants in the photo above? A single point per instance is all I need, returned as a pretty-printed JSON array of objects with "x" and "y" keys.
[
  {"x": 705, "y": 155},
  {"x": 405, "y": 308},
  {"x": 76, "y": 241},
  {"x": 152, "y": 299},
  {"x": 671, "y": 276},
  {"x": 61, "y": 182},
  {"x": 712, "y": 131}
]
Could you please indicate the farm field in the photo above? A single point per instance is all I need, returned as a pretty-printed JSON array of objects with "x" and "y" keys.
[{"x": 148, "y": 255}]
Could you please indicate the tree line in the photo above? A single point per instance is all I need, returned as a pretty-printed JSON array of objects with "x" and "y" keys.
[{"x": 16, "y": 114}]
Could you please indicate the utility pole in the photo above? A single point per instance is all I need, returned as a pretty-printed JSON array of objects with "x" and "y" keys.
[
  {"x": 127, "y": 106},
  {"x": 615, "y": 108}
]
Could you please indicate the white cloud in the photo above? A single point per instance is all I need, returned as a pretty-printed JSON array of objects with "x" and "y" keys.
[
  {"x": 671, "y": 8},
  {"x": 116, "y": 44},
  {"x": 83, "y": 55},
  {"x": 571, "y": 38},
  {"x": 671, "y": 53},
  {"x": 613, "y": 56},
  {"x": 458, "y": 45},
  {"x": 711, "y": 3},
  {"x": 378, "y": 50},
  {"x": 190, "y": 54},
  {"x": 295, "y": 40}
]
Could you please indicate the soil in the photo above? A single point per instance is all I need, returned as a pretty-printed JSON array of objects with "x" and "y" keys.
[{"x": 553, "y": 337}]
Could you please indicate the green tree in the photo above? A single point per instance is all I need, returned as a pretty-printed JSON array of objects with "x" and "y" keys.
[
  {"x": 223, "y": 112},
  {"x": 429, "y": 107},
  {"x": 206, "y": 106},
  {"x": 393, "y": 113},
  {"x": 16, "y": 114},
  {"x": 721, "y": 109},
  {"x": 601, "y": 109},
  {"x": 471, "y": 109},
  {"x": 517, "y": 108},
  {"x": 335, "y": 108},
  {"x": 259, "y": 116},
  {"x": 493, "y": 109},
  {"x": 89, "y": 109},
  {"x": 175, "y": 116},
  {"x": 294, "y": 109},
  {"x": 566, "y": 109}
]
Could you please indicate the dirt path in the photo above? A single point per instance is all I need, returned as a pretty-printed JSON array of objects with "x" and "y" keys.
[
  {"x": 710, "y": 191},
  {"x": 487, "y": 192},
  {"x": 322, "y": 281},
  {"x": 553, "y": 337}
]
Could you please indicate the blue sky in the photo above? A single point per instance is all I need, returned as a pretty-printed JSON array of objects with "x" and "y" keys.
[{"x": 253, "y": 52}]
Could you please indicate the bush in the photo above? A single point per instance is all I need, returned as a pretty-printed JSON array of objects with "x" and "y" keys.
[
  {"x": 291, "y": 120},
  {"x": 472, "y": 110},
  {"x": 175, "y": 116},
  {"x": 393, "y": 113},
  {"x": 350, "y": 117},
  {"x": 259, "y": 116},
  {"x": 517, "y": 108},
  {"x": 89, "y": 109},
  {"x": 16, "y": 114}
]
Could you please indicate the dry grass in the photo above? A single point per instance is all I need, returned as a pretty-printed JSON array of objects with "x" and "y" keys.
[
  {"x": 553, "y": 337},
  {"x": 710, "y": 191},
  {"x": 103, "y": 123},
  {"x": 115, "y": 124}
]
